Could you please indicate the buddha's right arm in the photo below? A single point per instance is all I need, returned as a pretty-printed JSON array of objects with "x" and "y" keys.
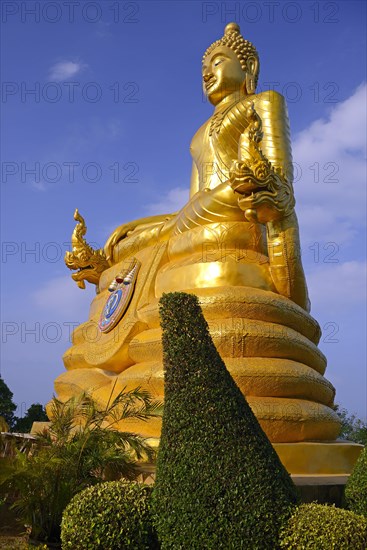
[
  {"x": 207, "y": 206},
  {"x": 126, "y": 229}
]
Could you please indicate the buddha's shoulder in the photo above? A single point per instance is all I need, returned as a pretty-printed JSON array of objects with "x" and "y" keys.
[{"x": 270, "y": 98}]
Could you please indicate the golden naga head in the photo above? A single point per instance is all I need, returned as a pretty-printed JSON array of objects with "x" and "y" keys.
[{"x": 231, "y": 64}]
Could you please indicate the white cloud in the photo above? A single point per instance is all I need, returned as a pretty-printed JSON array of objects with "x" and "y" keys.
[
  {"x": 65, "y": 69},
  {"x": 62, "y": 297},
  {"x": 175, "y": 199},
  {"x": 332, "y": 188}
]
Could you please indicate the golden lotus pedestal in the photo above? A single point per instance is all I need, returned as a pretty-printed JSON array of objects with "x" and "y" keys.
[{"x": 268, "y": 343}]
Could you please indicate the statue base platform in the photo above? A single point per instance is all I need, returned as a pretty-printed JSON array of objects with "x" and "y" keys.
[
  {"x": 315, "y": 462},
  {"x": 317, "y": 458},
  {"x": 319, "y": 470}
]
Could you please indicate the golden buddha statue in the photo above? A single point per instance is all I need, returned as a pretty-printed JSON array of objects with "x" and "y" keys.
[{"x": 235, "y": 244}]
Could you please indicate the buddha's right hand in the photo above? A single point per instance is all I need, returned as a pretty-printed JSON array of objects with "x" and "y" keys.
[
  {"x": 126, "y": 229},
  {"x": 120, "y": 233}
]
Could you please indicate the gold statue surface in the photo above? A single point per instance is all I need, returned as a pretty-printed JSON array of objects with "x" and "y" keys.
[{"x": 235, "y": 244}]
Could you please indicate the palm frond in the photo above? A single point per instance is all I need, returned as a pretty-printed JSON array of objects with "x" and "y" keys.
[{"x": 83, "y": 446}]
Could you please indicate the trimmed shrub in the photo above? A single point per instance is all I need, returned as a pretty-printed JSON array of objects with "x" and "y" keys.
[
  {"x": 356, "y": 488},
  {"x": 109, "y": 516},
  {"x": 316, "y": 526},
  {"x": 219, "y": 482}
]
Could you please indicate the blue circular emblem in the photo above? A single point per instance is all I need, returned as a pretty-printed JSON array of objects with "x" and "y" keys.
[
  {"x": 119, "y": 299},
  {"x": 115, "y": 307},
  {"x": 112, "y": 303}
]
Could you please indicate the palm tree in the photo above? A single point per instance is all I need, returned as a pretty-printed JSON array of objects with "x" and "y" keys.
[{"x": 83, "y": 446}]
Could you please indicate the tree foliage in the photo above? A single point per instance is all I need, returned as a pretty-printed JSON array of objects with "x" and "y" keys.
[
  {"x": 219, "y": 483},
  {"x": 82, "y": 447},
  {"x": 353, "y": 428},
  {"x": 35, "y": 413},
  {"x": 4, "y": 427},
  {"x": 7, "y": 407}
]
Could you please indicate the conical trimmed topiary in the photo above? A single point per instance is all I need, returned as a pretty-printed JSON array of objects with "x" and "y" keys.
[
  {"x": 219, "y": 484},
  {"x": 356, "y": 488}
]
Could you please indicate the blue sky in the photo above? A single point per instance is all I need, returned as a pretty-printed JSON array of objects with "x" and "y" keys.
[{"x": 116, "y": 99}]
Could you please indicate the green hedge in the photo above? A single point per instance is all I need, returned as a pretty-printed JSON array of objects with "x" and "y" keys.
[
  {"x": 109, "y": 516},
  {"x": 219, "y": 483},
  {"x": 319, "y": 527},
  {"x": 356, "y": 488}
]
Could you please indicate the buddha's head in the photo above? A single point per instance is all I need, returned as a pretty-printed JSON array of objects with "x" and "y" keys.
[{"x": 230, "y": 64}]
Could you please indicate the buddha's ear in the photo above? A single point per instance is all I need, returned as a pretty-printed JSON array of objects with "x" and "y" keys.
[{"x": 252, "y": 67}]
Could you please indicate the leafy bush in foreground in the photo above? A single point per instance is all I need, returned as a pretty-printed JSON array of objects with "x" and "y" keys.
[
  {"x": 219, "y": 484},
  {"x": 110, "y": 516},
  {"x": 82, "y": 447},
  {"x": 316, "y": 526},
  {"x": 356, "y": 488}
]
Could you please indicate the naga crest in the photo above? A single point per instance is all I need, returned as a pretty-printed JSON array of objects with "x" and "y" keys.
[
  {"x": 90, "y": 263},
  {"x": 267, "y": 194}
]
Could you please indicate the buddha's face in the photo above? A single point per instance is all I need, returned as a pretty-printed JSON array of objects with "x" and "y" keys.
[{"x": 222, "y": 74}]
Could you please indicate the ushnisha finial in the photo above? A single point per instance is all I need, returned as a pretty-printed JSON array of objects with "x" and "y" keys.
[{"x": 232, "y": 27}]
